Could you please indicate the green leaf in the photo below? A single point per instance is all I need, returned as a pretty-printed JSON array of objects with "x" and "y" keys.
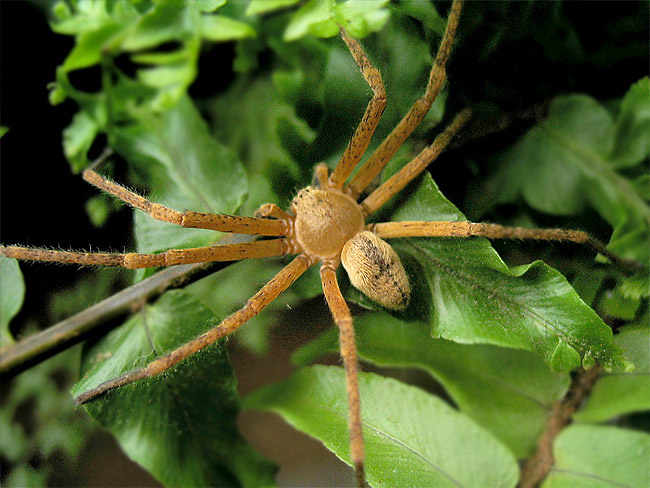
[
  {"x": 166, "y": 21},
  {"x": 210, "y": 5},
  {"x": 322, "y": 18},
  {"x": 256, "y": 7},
  {"x": 314, "y": 17},
  {"x": 599, "y": 457},
  {"x": 580, "y": 141},
  {"x": 471, "y": 296},
  {"x": 229, "y": 289},
  {"x": 77, "y": 139},
  {"x": 181, "y": 425},
  {"x": 12, "y": 294},
  {"x": 496, "y": 387},
  {"x": 632, "y": 139},
  {"x": 362, "y": 17},
  {"x": 3, "y": 130},
  {"x": 90, "y": 46},
  {"x": 186, "y": 169},
  {"x": 619, "y": 392},
  {"x": 411, "y": 437},
  {"x": 219, "y": 28},
  {"x": 425, "y": 12},
  {"x": 266, "y": 140}
]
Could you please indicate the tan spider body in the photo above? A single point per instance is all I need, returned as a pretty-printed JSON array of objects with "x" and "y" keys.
[
  {"x": 325, "y": 220},
  {"x": 325, "y": 224}
]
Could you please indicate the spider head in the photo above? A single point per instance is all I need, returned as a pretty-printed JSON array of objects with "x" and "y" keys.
[{"x": 325, "y": 221}]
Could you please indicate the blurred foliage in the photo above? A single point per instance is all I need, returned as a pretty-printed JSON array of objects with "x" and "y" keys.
[{"x": 560, "y": 138}]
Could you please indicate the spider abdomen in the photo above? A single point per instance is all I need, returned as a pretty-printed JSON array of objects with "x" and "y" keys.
[
  {"x": 376, "y": 270},
  {"x": 325, "y": 221}
]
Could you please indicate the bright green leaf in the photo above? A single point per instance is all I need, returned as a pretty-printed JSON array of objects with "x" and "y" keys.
[
  {"x": 256, "y": 7},
  {"x": 3, "y": 130},
  {"x": 219, "y": 28},
  {"x": 494, "y": 386},
  {"x": 619, "y": 392},
  {"x": 314, "y": 15},
  {"x": 600, "y": 457},
  {"x": 165, "y": 22},
  {"x": 411, "y": 438},
  {"x": 186, "y": 170},
  {"x": 181, "y": 425},
  {"x": 471, "y": 296},
  {"x": 323, "y": 18},
  {"x": 90, "y": 46},
  {"x": 361, "y": 17},
  {"x": 12, "y": 294},
  {"x": 210, "y": 5}
]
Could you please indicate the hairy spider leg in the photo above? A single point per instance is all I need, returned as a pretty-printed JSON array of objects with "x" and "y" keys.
[
  {"x": 404, "y": 176},
  {"x": 343, "y": 319},
  {"x": 389, "y": 146},
  {"x": 269, "y": 292},
  {"x": 366, "y": 128},
  {"x": 389, "y": 230},
  {"x": 171, "y": 257},
  {"x": 199, "y": 220}
]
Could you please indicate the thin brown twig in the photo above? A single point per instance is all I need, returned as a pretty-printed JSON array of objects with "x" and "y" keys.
[
  {"x": 539, "y": 465},
  {"x": 42, "y": 345}
]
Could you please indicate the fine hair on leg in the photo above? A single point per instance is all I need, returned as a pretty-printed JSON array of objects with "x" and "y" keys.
[
  {"x": 389, "y": 146},
  {"x": 343, "y": 319},
  {"x": 269, "y": 292}
]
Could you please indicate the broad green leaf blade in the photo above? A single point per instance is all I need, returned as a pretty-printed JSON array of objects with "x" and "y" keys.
[
  {"x": 571, "y": 161},
  {"x": 12, "y": 294},
  {"x": 496, "y": 387},
  {"x": 600, "y": 457},
  {"x": 411, "y": 438},
  {"x": 230, "y": 288},
  {"x": 267, "y": 140},
  {"x": 620, "y": 393},
  {"x": 180, "y": 425},
  {"x": 471, "y": 296},
  {"x": 186, "y": 170}
]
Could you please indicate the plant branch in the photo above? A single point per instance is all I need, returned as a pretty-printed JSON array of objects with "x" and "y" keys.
[
  {"x": 42, "y": 345},
  {"x": 539, "y": 465}
]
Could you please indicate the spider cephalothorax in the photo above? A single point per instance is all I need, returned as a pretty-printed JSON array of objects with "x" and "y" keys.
[{"x": 325, "y": 220}]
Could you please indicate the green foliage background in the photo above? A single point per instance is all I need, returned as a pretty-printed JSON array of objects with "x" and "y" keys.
[{"x": 560, "y": 138}]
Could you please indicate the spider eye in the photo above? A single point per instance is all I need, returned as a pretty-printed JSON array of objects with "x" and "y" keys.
[{"x": 376, "y": 270}]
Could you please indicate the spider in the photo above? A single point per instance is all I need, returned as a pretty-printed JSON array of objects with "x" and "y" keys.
[{"x": 325, "y": 225}]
